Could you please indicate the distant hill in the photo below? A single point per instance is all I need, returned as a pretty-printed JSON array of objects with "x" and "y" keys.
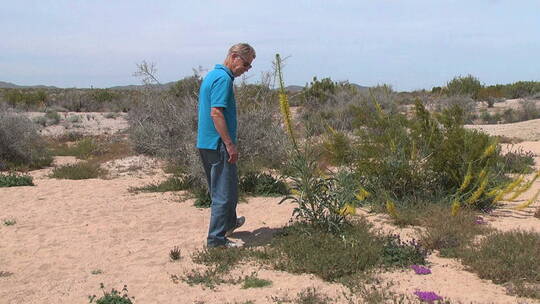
[{"x": 9, "y": 85}]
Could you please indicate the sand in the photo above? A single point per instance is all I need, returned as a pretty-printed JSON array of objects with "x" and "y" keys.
[{"x": 67, "y": 230}]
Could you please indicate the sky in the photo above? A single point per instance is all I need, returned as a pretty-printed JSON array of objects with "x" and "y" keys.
[{"x": 409, "y": 44}]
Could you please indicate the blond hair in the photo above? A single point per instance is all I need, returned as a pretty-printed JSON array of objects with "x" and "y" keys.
[{"x": 242, "y": 49}]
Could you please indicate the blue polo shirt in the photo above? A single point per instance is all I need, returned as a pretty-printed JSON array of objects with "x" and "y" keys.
[{"x": 216, "y": 91}]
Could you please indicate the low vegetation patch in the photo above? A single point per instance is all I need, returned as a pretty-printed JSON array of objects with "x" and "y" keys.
[
  {"x": 112, "y": 297},
  {"x": 82, "y": 170},
  {"x": 173, "y": 183},
  {"x": 252, "y": 281},
  {"x": 450, "y": 234},
  {"x": 508, "y": 257},
  {"x": 98, "y": 148},
  {"x": 10, "y": 222},
  {"x": 13, "y": 179}
]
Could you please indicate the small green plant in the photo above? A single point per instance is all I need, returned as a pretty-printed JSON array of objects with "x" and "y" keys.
[
  {"x": 82, "y": 170},
  {"x": 218, "y": 262},
  {"x": 310, "y": 295},
  {"x": 111, "y": 115},
  {"x": 96, "y": 271},
  {"x": 74, "y": 118},
  {"x": 202, "y": 198},
  {"x": 403, "y": 253},
  {"x": 9, "y": 222},
  {"x": 518, "y": 161},
  {"x": 5, "y": 274},
  {"x": 53, "y": 117},
  {"x": 252, "y": 281},
  {"x": 319, "y": 199},
  {"x": 14, "y": 179},
  {"x": 112, "y": 297},
  {"x": 264, "y": 184},
  {"x": 175, "y": 254}
]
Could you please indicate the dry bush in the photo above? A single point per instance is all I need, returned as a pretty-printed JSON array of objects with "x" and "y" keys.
[
  {"x": 336, "y": 110},
  {"x": 164, "y": 124},
  {"x": 20, "y": 143}
]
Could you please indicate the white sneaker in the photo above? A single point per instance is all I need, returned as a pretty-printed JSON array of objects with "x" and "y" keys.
[
  {"x": 239, "y": 223},
  {"x": 231, "y": 244}
]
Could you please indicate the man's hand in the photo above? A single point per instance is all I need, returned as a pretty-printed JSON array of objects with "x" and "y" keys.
[{"x": 233, "y": 153}]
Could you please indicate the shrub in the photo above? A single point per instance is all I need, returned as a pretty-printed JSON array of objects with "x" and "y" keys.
[
  {"x": 508, "y": 257},
  {"x": 426, "y": 155},
  {"x": 464, "y": 85},
  {"x": 318, "y": 199},
  {"x": 15, "y": 180},
  {"x": 337, "y": 110},
  {"x": 20, "y": 143},
  {"x": 518, "y": 161},
  {"x": 82, "y": 170},
  {"x": 165, "y": 125},
  {"x": 112, "y": 297},
  {"x": 262, "y": 184},
  {"x": 53, "y": 117}
]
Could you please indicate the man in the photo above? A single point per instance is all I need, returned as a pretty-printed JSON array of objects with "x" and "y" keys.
[{"x": 216, "y": 141}]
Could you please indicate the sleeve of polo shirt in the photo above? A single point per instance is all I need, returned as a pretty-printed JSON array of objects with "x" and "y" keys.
[{"x": 220, "y": 93}]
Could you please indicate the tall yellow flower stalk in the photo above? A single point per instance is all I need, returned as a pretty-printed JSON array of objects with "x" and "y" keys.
[
  {"x": 478, "y": 192},
  {"x": 523, "y": 188},
  {"x": 455, "y": 207},
  {"x": 467, "y": 179},
  {"x": 529, "y": 202},
  {"x": 489, "y": 150},
  {"x": 284, "y": 103},
  {"x": 508, "y": 189}
]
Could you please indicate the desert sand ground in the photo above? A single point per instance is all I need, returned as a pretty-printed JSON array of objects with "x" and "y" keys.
[{"x": 67, "y": 230}]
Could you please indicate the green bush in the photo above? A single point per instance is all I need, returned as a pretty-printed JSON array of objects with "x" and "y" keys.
[
  {"x": 53, "y": 117},
  {"x": 425, "y": 155},
  {"x": 20, "y": 143},
  {"x": 15, "y": 180},
  {"x": 264, "y": 184},
  {"x": 464, "y": 85},
  {"x": 82, "y": 170}
]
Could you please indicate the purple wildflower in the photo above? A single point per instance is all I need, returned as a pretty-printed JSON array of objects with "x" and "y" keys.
[
  {"x": 480, "y": 220},
  {"x": 420, "y": 269},
  {"x": 428, "y": 296}
]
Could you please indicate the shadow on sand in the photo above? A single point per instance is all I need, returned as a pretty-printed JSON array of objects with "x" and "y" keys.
[{"x": 258, "y": 237}]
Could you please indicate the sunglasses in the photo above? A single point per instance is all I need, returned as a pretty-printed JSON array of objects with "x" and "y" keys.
[{"x": 247, "y": 65}]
